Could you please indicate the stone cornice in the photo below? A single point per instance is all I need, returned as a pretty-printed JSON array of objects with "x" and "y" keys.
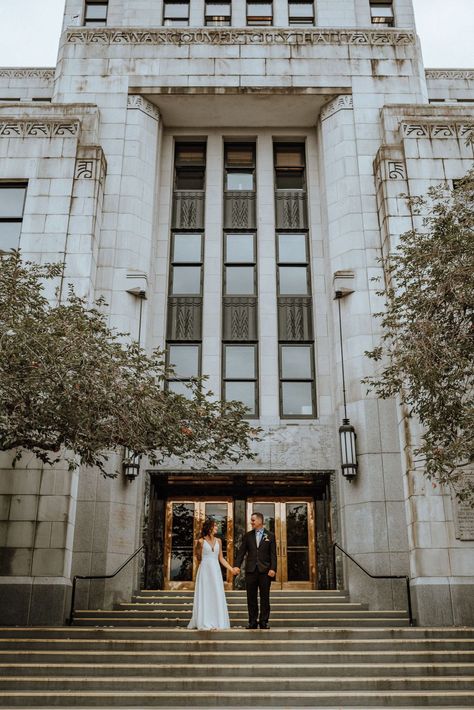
[
  {"x": 237, "y": 36},
  {"x": 340, "y": 103},
  {"x": 41, "y": 128},
  {"x": 27, "y": 73},
  {"x": 450, "y": 74},
  {"x": 135, "y": 101}
]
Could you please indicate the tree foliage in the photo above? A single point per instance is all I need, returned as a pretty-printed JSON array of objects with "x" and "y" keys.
[
  {"x": 426, "y": 351},
  {"x": 70, "y": 387}
]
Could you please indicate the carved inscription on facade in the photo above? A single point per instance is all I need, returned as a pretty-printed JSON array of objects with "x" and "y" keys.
[
  {"x": 464, "y": 515},
  {"x": 239, "y": 36}
]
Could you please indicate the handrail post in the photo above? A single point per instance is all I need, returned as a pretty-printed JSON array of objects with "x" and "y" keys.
[
  {"x": 73, "y": 599},
  {"x": 410, "y": 610}
]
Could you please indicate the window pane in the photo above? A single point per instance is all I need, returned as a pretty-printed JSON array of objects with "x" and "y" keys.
[
  {"x": 9, "y": 235},
  {"x": 187, "y": 247},
  {"x": 180, "y": 388},
  {"x": 96, "y": 12},
  {"x": 239, "y": 280},
  {"x": 293, "y": 280},
  {"x": 290, "y": 180},
  {"x": 217, "y": 9},
  {"x": 289, "y": 157},
  {"x": 296, "y": 362},
  {"x": 186, "y": 280},
  {"x": 301, "y": 9},
  {"x": 189, "y": 179},
  {"x": 239, "y": 362},
  {"x": 292, "y": 248},
  {"x": 189, "y": 154},
  {"x": 297, "y": 400},
  {"x": 12, "y": 200},
  {"x": 261, "y": 9},
  {"x": 243, "y": 392},
  {"x": 239, "y": 181},
  {"x": 177, "y": 10},
  {"x": 239, "y": 156},
  {"x": 382, "y": 11},
  {"x": 240, "y": 247},
  {"x": 184, "y": 359}
]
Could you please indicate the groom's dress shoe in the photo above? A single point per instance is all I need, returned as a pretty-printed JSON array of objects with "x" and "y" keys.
[
  {"x": 251, "y": 626},
  {"x": 264, "y": 626}
]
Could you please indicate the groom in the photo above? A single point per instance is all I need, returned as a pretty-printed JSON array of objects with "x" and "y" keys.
[{"x": 260, "y": 569}]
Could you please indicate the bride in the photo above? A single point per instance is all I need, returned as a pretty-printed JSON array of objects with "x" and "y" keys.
[{"x": 210, "y": 606}]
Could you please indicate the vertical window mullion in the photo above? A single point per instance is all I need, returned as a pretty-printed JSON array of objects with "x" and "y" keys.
[{"x": 12, "y": 206}]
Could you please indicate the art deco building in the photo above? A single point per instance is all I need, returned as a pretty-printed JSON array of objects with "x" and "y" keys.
[{"x": 219, "y": 172}]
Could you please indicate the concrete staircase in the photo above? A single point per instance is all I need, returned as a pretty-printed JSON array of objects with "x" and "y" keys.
[
  {"x": 315, "y": 655},
  {"x": 289, "y": 609}
]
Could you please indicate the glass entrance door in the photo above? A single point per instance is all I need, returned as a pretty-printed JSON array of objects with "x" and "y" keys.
[
  {"x": 184, "y": 519},
  {"x": 291, "y": 520}
]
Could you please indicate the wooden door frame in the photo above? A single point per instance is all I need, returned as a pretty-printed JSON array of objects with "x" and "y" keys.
[
  {"x": 198, "y": 502},
  {"x": 280, "y": 529}
]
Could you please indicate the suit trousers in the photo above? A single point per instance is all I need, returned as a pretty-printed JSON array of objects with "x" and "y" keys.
[{"x": 256, "y": 581}]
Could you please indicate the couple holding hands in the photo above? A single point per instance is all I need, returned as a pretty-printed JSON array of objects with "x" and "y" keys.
[{"x": 210, "y": 606}]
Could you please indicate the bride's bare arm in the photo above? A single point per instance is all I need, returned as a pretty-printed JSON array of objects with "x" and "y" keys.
[
  {"x": 198, "y": 549},
  {"x": 222, "y": 560}
]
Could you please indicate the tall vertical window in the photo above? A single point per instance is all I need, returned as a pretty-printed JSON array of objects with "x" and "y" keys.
[
  {"x": 218, "y": 14},
  {"x": 301, "y": 12},
  {"x": 175, "y": 13},
  {"x": 184, "y": 323},
  {"x": 295, "y": 328},
  {"x": 240, "y": 338},
  {"x": 381, "y": 13},
  {"x": 95, "y": 13},
  {"x": 12, "y": 202},
  {"x": 259, "y": 13}
]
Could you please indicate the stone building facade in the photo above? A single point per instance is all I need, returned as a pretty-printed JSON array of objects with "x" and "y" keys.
[{"x": 217, "y": 171}]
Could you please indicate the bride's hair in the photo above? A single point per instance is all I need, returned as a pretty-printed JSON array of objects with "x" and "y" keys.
[{"x": 207, "y": 527}]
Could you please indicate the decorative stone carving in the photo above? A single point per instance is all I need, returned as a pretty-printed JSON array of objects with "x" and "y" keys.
[
  {"x": 396, "y": 170},
  {"x": 90, "y": 163},
  {"x": 291, "y": 211},
  {"x": 27, "y": 73},
  {"x": 344, "y": 101},
  {"x": 450, "y": 74},
  {"x": 295, "y": 321},
  {"x": 432, "y": 129},
  {"x": 135, "y": 101},
  {"x": 232, "y": 36},
  {"x": 184, "y": 318},
  {"x": 43, "y": 128},
  {"x": 188, "y": 210},
  {"x": 239, "y": 210},
  {"x": 239, "y": 319}
]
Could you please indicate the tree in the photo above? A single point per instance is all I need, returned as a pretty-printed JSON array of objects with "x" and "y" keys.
[
  {"x": 426, "y": 349},
  {"x": 70, "y": 387}
]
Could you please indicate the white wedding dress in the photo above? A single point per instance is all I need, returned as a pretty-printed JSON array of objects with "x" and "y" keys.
[{"x": 209, "y": 606}]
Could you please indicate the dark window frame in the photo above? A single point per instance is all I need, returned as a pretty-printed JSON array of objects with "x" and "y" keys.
[
  {"x": 255, "y": 379},
  {"x": 311, "y": 380},
  {"x": 259, "y": 20},
  {"x": 381, "y": 20},
  {"x": 244, "y": 168},
  {"x": 180, "y": 343},
  {"x": 191, "y": 167},
  {"x": 308, "y": 21},
  {"x": 176, "y": 21},
  {"x": 289, "y": 170},
  {"x": 217, "y": 20},
  {"x": 91, "y": 22},
  {"x": 12, "y": 185}
]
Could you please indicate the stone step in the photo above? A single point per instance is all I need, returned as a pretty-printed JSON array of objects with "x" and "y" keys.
[
  {"x": 309, "y": 670},
  {"x": 239, "y": 699},
  {"x": 353, "y": 632},
  {"x": 227, "y": 683},
  {"x": 290, "y": 593},
  {"x": 242, "y": 606},
  {"x": 236, "y": 657},
  {"x": 275, "y": 614},
  {"x": 296, "y": 623},
  {"x": 244, "y": 644}
]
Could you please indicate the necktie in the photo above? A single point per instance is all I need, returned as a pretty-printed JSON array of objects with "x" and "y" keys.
[{"x": 259, "y": 537}]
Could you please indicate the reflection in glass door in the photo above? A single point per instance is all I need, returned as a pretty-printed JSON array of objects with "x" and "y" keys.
[
  {"x": 184, "y": 519},
  {"x": 292, "y": 523}
]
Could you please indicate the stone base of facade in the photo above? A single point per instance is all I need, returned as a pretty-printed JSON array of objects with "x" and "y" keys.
[
  {"x": 34, "y": 601},
  {"x": 443, "y": 601}
]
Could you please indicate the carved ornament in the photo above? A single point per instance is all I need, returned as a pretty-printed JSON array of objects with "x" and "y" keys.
[
  {"x": 27, "y": 73},
  {"x": 450, "y": 74},
  {"x": 396, "y": 170},
  {"x": 453, "y": 129},
  {"x": 13, "y": 128},
  {"x": 236, "y": 36},
  {"x": 344, "y": 101},
  {"x": 135, "y": 101},
  {"x": 90, "y": 163}
]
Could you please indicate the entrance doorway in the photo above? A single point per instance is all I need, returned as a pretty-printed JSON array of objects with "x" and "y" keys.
[{"x": 292, "y": 523}]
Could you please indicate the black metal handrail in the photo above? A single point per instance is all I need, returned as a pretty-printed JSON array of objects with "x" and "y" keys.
[
  {"x": 379, "y": 576},
  {"x": 96, "y": 576}
]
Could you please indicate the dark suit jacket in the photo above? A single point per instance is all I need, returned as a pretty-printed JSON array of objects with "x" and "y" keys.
[{"x": 262, "y": 558}]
